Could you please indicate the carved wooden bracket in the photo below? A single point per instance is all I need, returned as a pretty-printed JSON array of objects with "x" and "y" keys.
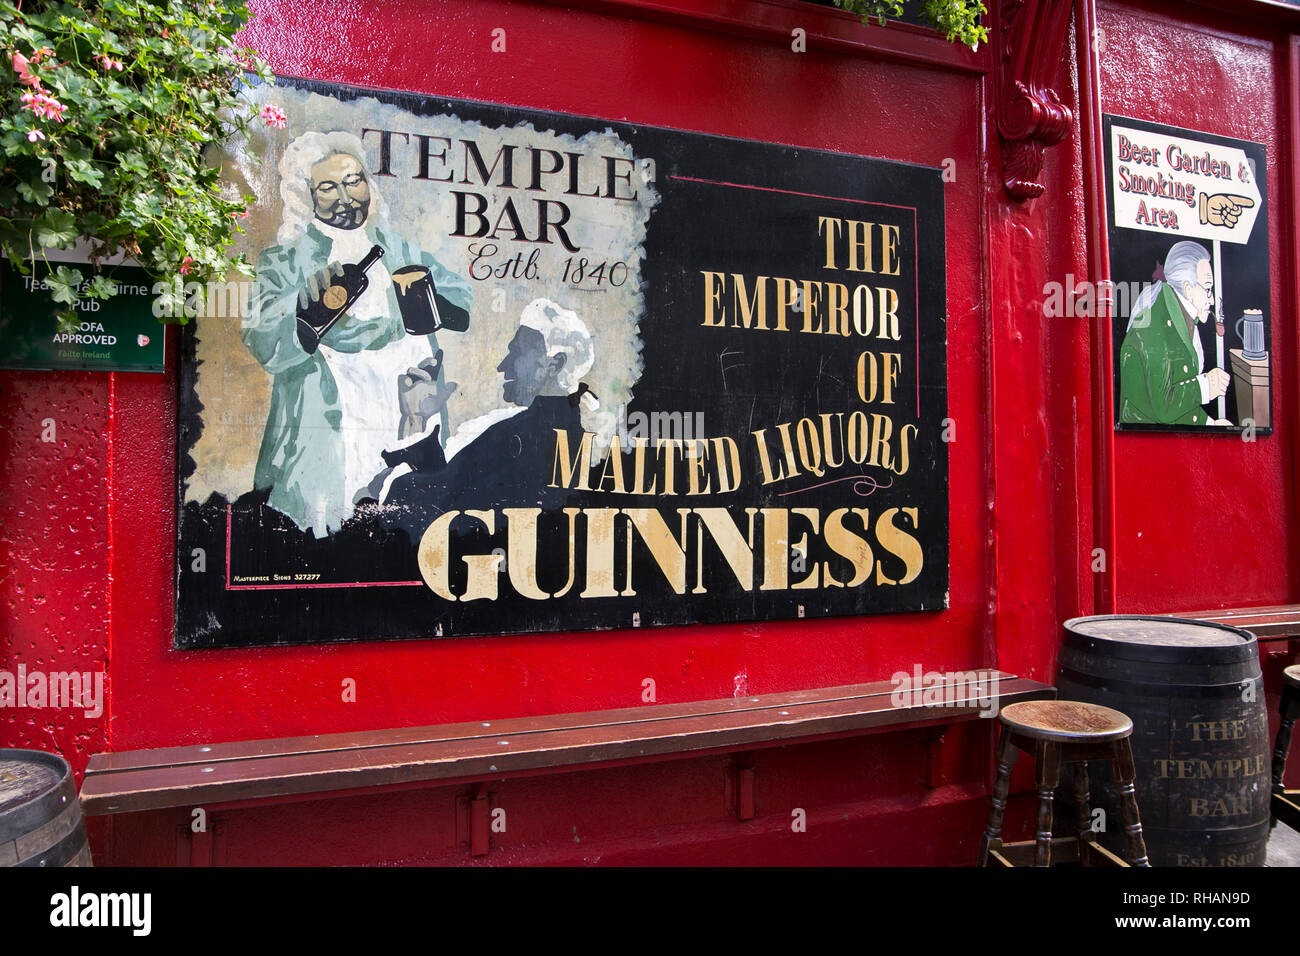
[{"x": 1031, "y": 39}]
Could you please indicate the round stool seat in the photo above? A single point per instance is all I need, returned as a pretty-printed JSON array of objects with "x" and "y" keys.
[
  {"x": 1291, "y": 676},
  {"x": 1065, "y": 721}
]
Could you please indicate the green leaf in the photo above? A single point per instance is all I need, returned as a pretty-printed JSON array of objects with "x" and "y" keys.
[
  {"x": 133, "y": 162},
  {"x": 84, "y": 172},
  {"x": 56, "y": 229},
  {"x": 92, "y": 223},
  {"x": 102, "y": 287},
  {"x": 38, "y": 193},
  {"x": 63, "y": 283}
]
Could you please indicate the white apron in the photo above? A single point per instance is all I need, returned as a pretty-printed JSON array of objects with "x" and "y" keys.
[{"x": 367, "y": 380}]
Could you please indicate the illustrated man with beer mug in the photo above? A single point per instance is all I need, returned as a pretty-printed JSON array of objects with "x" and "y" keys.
[
  {"x": 343, "y": 310},
  {"x": 1161, "y": 360}
]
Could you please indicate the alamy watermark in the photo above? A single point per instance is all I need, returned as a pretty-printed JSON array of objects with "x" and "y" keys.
[
  {"x": 76, "y": 908},
  {"x": 946, "y": 689},
  {"x": 179, "y": 299},
  {"x": 75, "y": 690},
  {"x": 1083, "y": 298},
  {"x": 685, "y": 427}
]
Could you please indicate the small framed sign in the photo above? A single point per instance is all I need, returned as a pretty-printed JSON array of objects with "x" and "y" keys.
[
  {"x": 1188, "y": 229},
  {"x": 119, "y": 334}
]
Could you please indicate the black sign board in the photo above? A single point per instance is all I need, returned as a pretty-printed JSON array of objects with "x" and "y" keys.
[{"x": 597, "y": 376}]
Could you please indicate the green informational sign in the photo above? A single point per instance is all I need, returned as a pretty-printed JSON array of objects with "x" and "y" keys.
[{"x": 120, "y": 334}]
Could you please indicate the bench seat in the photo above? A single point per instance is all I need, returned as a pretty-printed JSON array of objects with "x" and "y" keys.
[
  {"x": 1274, "y": 621},
  {"x": 331, "y": 764}
]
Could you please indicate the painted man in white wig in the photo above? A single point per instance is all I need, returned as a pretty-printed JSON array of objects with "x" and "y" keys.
[
  {"x": 503, "y": 458},
  {"x": 334, "y": 408},
  {"x": 1161, "y": 376}
]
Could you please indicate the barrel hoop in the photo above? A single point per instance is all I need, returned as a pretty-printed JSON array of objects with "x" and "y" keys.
[
  {"x": 82, "y": 858},
  {"x": 1246, "y": 833},
  {"x": 1145, "y": 671},
  {"x": 1159, "y": 654},
  {"x": 1163, "y": 653},
  {"x": 32, "y": 814},
  {"x": 44, "y": 837},
  {"x": 1180, "y": 691},
  {"x": 62, "y": 853}
]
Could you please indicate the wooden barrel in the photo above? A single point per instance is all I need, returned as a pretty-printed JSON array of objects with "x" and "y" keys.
[
  {"x": 1195, "y": 693},
  {"x": 40, "y": 816}
]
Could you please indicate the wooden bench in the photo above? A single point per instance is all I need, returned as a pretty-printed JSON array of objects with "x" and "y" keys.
[
  {"x": 260, "y": 771},
  {"x": 1278, "y": 621},
  {"x": 1285, "y": 807}
]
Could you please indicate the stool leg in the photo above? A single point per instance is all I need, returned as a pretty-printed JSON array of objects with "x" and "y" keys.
[
  {"x": 1047, "y": 773},
  {"x": 1283, "y": 743},
  {"x": 1082, "y": 812},
  {"x": 1289, "y": 710},
  {"x": 1007, "y": 754},
  {"x": 1121, "y": 764}
]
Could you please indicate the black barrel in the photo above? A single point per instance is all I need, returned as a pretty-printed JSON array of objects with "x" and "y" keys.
[
  {"x": 40, "y": 816},
  {"x": 1195, "y": 693}
]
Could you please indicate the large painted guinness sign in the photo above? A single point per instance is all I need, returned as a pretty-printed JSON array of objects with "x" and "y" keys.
[{"x": 507, "y": 371}]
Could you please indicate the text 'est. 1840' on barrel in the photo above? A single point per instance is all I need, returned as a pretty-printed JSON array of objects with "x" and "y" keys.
[
  {"x": 40, "y": 816},
  {"x": 1195, "y": 693}
]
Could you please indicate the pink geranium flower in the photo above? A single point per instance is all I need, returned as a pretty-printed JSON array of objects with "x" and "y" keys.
[
  {"x": 34, "y": 134},
  {"x": 22, "y": 66},
  {"x": 273, "y": 115},
  {"x": 186, "y": 265},
  {"x": 44, "y": 106},
  {"x": 109, "y": 63}
]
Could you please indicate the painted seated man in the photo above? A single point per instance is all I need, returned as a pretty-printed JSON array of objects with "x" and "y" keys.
[
  {"x": 504, "y": 458},
  {"x": 331, "y": 411},
  {"x": 1161, "y": 361}
]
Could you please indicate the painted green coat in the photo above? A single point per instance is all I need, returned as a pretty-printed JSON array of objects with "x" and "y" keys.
[
  {"x": 301, "y": 457},
  {"x": 1158, "y": 368}
]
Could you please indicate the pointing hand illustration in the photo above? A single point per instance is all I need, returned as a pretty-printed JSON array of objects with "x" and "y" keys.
[{"x": 1223, "y": 209}]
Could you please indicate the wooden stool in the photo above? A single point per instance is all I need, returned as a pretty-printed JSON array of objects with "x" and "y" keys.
[
  {"x": 1056, "y": 730},
  {"x": 1286, "y": 803}
]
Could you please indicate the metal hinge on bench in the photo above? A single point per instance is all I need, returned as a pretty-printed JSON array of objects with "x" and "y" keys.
[
  {"x": 204, "y": 847},
  {"x": 740, "y": 787},
  {"x": 474, "y": 820}
]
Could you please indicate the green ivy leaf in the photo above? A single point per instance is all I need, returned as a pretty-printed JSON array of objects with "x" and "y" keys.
[
  {"x": 957, "y": 20},
  {"x": 92, "y": 224}
]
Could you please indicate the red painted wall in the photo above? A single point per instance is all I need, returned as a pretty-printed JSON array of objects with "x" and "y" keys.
[{"x": 87, "y": 522}]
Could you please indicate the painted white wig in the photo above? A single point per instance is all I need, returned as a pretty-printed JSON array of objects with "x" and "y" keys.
[
  {"x": 1179, "y": 269},
  {"x": 565, "y": 334},
  {"x": 295, "y": 180}
]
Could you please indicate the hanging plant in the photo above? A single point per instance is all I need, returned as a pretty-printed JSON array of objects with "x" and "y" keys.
[
  {"x": 958, "y": 20},
  {"x": 107, "y": 108}
]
